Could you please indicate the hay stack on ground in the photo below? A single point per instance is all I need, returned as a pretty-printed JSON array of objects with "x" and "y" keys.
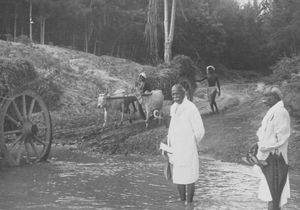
[{"x": 181, "y": 70}]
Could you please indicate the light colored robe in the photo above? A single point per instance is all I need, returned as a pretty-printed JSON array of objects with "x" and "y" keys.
[
  {"x": 273, "y": 133},
  {"x": 185, "y": 132}
]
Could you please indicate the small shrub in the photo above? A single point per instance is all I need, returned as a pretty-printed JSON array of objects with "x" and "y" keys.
[
  {"x": 285, "y": 67},
  {"x": 23, "y": 39},
  {"x": 9, "y": 37}
]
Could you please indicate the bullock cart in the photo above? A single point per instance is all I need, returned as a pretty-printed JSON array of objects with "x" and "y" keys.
[{"x": 25, "y": 125}]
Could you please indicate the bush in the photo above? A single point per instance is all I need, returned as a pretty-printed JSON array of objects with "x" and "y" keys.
[
  {"x": 9, "y": 37},
  {"x": 285, "y": 67},
  {"x": 24, "y": 40},
  {"x": 292, "y": 97}
]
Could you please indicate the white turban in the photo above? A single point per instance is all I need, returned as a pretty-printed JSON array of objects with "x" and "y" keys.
[
  {"x": 210, "y": 67},
  {"x": 276, "y": 91},
  {"x": 143, "y": 74}
]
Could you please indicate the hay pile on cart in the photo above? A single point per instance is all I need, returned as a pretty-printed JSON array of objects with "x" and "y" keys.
[
  {"x": 25, "y": 123},
  {"x": 181, "y": 70}
]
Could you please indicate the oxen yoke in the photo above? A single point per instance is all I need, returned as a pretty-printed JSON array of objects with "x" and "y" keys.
[{"x": 119, "y": 101}]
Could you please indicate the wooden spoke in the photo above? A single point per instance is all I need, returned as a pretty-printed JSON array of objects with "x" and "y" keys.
[
  {"x": 12, "y": 120},
  {"x": 19, "y": 153},
  {"x": 31, "y": 107},
  {"x": 27, "y": 152},
  {"x": 33, "y": 148},
  {"x": 17, "y": 111},
  {"x": 18, "y": 140},
  {"x": 24, "y": 106},
  {"x": 21, "y": 108},
  {"x": 12, "y": 132},
  {"x": 39, "y": 140}
]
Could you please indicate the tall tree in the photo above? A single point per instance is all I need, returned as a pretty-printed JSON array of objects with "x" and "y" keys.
[
  {"x": 46, "y": 9},
  {"x": 151, "y": 35},
  {"x": 30, "y": 20},
  {"x": 282, "y": 25},
  {"x": 16, "y": 8},
  {"x": 169, "y": 29}
]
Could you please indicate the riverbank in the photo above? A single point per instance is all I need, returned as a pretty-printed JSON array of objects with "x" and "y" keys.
[{"x": 228, "y": 136}]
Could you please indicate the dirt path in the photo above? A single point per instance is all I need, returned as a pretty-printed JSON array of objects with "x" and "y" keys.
[
  {"x": 229, "y": 134},
  {"x": 134, "y": 138}
]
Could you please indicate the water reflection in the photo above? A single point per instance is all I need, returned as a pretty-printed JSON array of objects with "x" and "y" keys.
[{"x": 134, "y": 182}]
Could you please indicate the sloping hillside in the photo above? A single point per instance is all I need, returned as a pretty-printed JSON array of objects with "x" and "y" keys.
[{"x": 80, "y": 76}]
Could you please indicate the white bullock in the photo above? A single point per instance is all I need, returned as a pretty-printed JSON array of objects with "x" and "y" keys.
[
  {"x": 153, "y": 104},
  {"x": 114, "y": 106}
]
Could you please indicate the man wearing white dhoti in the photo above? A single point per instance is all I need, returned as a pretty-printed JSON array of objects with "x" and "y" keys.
[
  {"x": 213, "y": 87},
  {"x": 185, "y": 132},
  {"x": 273, "y": 137}
]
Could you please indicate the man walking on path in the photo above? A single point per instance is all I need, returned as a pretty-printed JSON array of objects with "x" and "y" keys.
[
  {"x": 213, "y": 87},
  {"x": 273, "y": 137},
  {"x": 185, "y": 133}
]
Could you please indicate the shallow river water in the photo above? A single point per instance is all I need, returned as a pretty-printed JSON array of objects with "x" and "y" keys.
[{"x": 128, "y": 182}]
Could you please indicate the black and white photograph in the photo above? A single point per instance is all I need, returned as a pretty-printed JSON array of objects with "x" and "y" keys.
[{"x": 149, "y": 104}]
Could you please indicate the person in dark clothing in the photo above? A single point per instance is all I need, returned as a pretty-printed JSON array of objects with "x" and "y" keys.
[
  {"x": 213, "y": 87},
  {"x": 143, "y": 87}
]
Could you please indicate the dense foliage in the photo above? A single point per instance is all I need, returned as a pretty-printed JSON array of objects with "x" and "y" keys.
[{"x": 249, "y": 36}]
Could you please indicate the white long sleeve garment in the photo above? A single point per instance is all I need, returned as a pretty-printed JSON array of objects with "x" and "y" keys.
[
  {"x": 185, "y": 131},
  {"x": 273, "y": 135}
]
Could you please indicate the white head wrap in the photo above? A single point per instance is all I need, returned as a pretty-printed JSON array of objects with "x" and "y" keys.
[
  {"x": 210, "y": 67},
  {"x": 143, "y": 74},
  {"x": 277, "y": 92}
]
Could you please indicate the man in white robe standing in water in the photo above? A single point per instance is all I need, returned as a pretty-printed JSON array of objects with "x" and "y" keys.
[
  {"x": 273, "y": 136},
  {"x": 185, "y": 133}
]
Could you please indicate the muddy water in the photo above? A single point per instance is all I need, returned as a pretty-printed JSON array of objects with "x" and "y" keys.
[{"x": 75, "y": 181}]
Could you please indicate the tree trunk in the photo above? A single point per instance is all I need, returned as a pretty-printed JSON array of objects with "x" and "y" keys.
[
  {"x": 6, "y": 21},
  {"x": 151, "y": 31},
  {"x": 73, "y": 41},
  {"x": 30, "y": 20},
  {"x": 169, "y": 32},
  {"x": 96, "y": 47},
  {"x": 86, "y": 42},
  {"x": 42, "y": 29},
  {"x": 88, "y": 34},
  {"x": 166, "y": 27},
  {"x": 15, "y": 22}
]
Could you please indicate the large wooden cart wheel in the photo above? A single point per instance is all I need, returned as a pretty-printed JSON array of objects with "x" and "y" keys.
[
  {"x": 185, "y": 82},
  {"x": 25, "y": 129}
]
